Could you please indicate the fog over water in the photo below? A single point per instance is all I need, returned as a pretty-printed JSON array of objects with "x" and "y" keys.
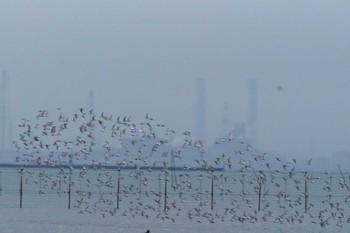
[{"x": 143, "y": 57}]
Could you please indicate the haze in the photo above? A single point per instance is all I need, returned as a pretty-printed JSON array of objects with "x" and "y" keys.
[{"x": 143, "y": 57}]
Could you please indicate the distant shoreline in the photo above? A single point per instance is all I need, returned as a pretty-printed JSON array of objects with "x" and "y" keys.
[{"x": 80, "y": 166}]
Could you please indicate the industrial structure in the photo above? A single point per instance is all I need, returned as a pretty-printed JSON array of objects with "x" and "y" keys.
[
  {"x": 200, "y": 109},
  {"x": 5, "y": 113},
  {"x": 252, "y": 111},
  {"x": 226, "y": 120}
]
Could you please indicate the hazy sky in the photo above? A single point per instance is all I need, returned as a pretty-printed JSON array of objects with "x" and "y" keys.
[{"x": 144, "y": 57}]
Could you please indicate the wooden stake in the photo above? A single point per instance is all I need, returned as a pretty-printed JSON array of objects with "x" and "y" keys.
[
  {"x": 212, "y": 193},
  {"x": 21, "y": 191},
  {"x": 118, "y": 193}
]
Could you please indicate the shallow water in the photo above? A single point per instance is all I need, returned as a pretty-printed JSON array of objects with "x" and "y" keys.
[{"x": 45, "y": 209}]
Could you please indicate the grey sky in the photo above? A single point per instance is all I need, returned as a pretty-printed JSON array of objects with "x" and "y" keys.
[{"x": 144, "y": 56}]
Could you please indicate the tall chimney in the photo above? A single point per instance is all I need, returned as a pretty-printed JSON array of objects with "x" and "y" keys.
[
  {"x": 200, "y": 109},
  {"x": 6, "y": 130},
  {"x": 252, "y": 111}
]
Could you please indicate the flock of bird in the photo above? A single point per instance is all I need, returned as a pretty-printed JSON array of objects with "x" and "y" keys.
[{"x": 115, "y": 165}]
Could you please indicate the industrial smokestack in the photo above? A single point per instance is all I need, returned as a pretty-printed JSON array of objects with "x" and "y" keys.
[
  {"x": 200, "y": 109},
  {"x": 6, "y": 129},
  {"x": 252, "y": 111},
  {"x": 225, "y": 120}
]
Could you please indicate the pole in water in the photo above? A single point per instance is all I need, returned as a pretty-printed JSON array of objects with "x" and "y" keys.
[
  {"x": 212, "y": 193},
  {"x": 0, "y": 183},
  {"x": 69, "y": 188},
  {"x": 285, "y": 190},
  {"x": 243, "y": 189},
  {"x": 259, "y": 196},
  {"x": 21, "y": 190},
  {"x": 330, "y": 186},
  {"x": 118, "y": 193},
  {"x": 165, "y": 191},
  {"x": 306, "y": 193}
]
